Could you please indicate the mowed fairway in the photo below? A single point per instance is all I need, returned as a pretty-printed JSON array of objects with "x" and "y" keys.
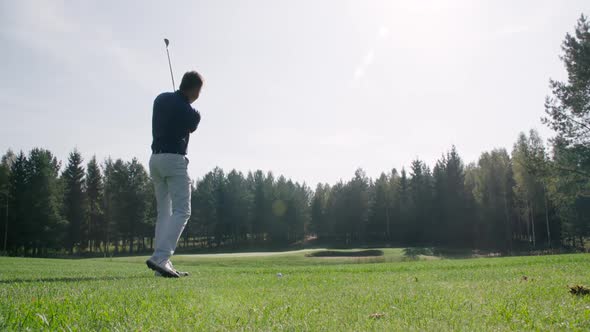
[{"x": 232, "y": 292}]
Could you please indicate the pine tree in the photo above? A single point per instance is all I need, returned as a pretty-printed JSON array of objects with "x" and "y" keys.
[
  {"x": 19, "y": 223},
  {"x": 568, "y": 114},
  {"x": 379, "y": 226},
  {"x": 492, "y": 190},
  {"x": 456, "y": 213},
  {"x": 421, "y": 192},
  {"x": 205, "y": 208},
  {"x": 451, "y": 225},
  {"x": 259, "y": 205},
  {"x": 405, "y": 209},
  {"x": 94, "y": 192},
  {"x": 336, "y": 214},
  {"x": 120, "y": 217},
  {"x": 221, "y": 224},
  {"x": 44, "y": 201},
  {"x": 74, "y": 202},
  {"x": 528, "y": 188},
  {"x": 5, "y": 167},
  {"x": 278, "y": 228},
  {"x": 568, "y": 109},
  {"x": 297, "y": 214},
  {"x": 237, "y": 198},
  {"x": 356, "y": 201},
  {"x": 136, "y": 192},
  {"x": 566, "y": 190},
  {"x": 395, "y": 219}
]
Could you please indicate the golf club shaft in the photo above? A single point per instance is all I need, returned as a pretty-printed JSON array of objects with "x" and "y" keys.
[{"x": 170, "y": 65}]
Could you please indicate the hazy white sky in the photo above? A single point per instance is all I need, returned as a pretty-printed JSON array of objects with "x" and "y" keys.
[{"x": 308, "y": 89}]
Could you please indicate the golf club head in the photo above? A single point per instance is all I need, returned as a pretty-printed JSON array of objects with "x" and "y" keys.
[{"x": 166, "y": 41}]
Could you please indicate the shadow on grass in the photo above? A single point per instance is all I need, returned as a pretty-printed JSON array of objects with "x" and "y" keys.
[
  {"x": 70, "y": 279},
  {"x": 357, "y": 253}
]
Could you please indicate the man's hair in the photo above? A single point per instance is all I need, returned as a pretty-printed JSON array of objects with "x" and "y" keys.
[{"x": 191, "y": 80}]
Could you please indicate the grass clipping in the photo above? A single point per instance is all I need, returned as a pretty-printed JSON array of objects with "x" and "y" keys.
[{"x": 579, "y": 290}]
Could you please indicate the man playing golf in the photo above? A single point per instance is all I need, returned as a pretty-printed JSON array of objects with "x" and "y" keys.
[{"x": 173, "y": 120}]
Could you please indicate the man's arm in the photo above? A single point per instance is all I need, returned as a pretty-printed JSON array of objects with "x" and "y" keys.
[{"x": 192, "y": 119}]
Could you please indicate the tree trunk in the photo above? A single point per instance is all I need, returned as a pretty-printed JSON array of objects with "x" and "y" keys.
[
  {"x": 89, "y": 234},
  {"x": 533, "y": 227},
  {"x": 547, "y": 218},
  {"x": 508, "y": 228},
  {"x": 388, "y": 224},
  {"x": 528, "y": 222}
]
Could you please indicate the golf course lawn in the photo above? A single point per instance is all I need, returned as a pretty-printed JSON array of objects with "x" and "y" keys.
[{"x": 244, "y": 292}]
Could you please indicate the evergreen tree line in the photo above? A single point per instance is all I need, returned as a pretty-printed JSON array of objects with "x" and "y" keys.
[
  {"x": 506, "y": 201},
  {"x": 110, "y": 208},
  {"x": 84, "y": 208},
  {"x": 535, "y": 196}
]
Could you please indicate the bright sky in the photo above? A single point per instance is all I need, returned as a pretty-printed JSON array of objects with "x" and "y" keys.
[{"x": 308, "y": 89}]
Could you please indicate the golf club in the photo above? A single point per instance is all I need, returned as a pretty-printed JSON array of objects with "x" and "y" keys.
[{"x": 167, "y": 42}]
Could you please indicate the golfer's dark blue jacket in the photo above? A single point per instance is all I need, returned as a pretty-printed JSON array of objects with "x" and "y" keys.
[{"x": 173, "y": 120}]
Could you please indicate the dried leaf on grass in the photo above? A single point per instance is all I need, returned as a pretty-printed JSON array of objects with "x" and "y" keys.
[
  {"x": 579, "y": 290},
  {"x": 377, "y": 315}
]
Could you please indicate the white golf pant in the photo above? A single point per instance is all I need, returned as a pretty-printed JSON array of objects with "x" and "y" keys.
[{"x": 173, "y": 195}]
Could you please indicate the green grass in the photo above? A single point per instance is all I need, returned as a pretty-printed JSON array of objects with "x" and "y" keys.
[{"x": 236, "y": 292}]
